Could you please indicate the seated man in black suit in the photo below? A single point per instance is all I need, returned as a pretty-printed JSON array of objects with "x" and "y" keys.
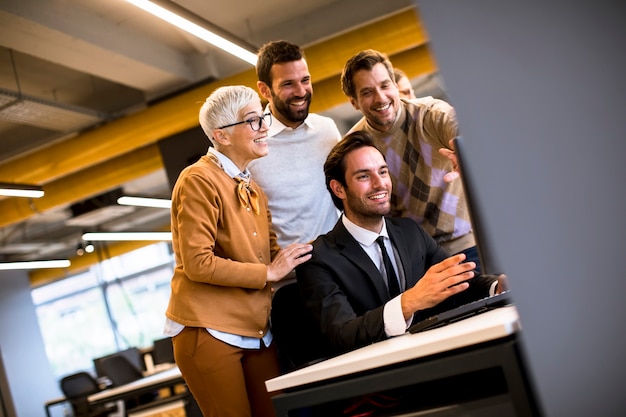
[{"x": 345, "y": 286}]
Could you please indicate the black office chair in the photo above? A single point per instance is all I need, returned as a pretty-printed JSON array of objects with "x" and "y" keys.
[
  {"x": 298, "y": 338},
  {"x": 76, "y": 388}
]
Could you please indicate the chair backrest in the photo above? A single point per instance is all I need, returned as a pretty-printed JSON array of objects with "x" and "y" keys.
[
  {"x": 298, "y": 339},
  {"x": 120, "y": 370},
  {"x": 80, "y": 384},
  {"x": 163, "y": 351},
  {"x": 76, "y": 388}
]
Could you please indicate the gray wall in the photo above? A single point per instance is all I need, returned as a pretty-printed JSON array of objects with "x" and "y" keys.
[
  {"x": 540, "y": 95},
  {"x": 26, "y": 368}
]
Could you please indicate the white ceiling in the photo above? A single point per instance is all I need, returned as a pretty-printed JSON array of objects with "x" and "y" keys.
[{"x": 110, "y": 59}]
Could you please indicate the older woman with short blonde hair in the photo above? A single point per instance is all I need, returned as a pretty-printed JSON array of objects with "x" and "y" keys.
[{"x": 227, "y": 258}]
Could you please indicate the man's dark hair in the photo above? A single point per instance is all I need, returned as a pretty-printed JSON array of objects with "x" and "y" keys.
[
  {"x": 335, "y": 165},
  {"x": 275, "y": 52},
  {"x": 364, "y": 60}
]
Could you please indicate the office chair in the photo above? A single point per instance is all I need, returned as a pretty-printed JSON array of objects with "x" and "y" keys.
[
  {"x": 298, "y": 339},
  {"x": 76, "y": 388}
]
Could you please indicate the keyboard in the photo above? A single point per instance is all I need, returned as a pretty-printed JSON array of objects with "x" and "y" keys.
[{"x": 462, "y": 312}]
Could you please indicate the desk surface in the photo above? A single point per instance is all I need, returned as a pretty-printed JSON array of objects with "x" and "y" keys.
[
  {"x": 484, "y": 327},
  {"x": 159, "y": 378}
]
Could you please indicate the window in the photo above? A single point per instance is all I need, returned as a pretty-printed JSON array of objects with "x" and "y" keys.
[{"x": 118, "y": 303}]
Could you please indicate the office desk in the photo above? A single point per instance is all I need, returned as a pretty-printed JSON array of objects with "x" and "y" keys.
[
  {"x": 150, "y": 383},
  {"x": 478, "y": 343},
  {"x": 168, "y": 378},
  {"x": 49, "y": 404},
  {"x": 157, "y": 369}
]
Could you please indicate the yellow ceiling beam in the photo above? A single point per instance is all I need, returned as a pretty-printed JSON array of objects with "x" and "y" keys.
[
  {"x": 84, "y": 184},
  {"x": 392, "y": 34},
  {"x": 102, "y": 177},
  {"x": 55, "y": 165},
  {"x": 110, "y": 174},
  {"x": 417, "y": 61},
  {"x": 116, "y": 138},
  {"x": 126, "y": 149}
]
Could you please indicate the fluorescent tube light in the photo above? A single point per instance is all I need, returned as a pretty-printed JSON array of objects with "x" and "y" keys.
[
  {"x": 61, "y": 263},
  {"x": 127, "y": 236},
  {"x": 144, "y": 202},
  {"x": 196, "y": 30},
  {"x": 20, "y": 190}
]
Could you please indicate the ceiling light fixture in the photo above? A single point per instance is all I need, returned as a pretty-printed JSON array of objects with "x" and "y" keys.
[
  {"x": 20, "y": 190},
  {"x": 145, "y": 202},
  {"x": 166, "y": 13},
  {"x": 89, "y": 247},
  {"x": 84, "y": 248},
  {"x": 128, "y": 236},
  {"x": 60, "y": 263}
]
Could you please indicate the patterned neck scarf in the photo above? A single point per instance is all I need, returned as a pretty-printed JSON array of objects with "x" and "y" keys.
[{"x": 248, "y": 197}]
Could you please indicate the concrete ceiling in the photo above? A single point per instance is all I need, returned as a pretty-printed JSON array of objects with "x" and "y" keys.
[{"x": 131, "y": 80}]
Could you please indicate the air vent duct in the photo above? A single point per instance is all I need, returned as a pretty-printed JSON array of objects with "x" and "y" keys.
[{"x": 98, "y": 210}]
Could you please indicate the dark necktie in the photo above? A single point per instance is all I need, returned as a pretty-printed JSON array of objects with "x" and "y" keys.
[{"x": 392, "y": 279}]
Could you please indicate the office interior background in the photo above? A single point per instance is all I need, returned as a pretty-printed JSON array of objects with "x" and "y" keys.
[
  {"x": 100, "y": 99},
  {"x": 129, "y": 85}
]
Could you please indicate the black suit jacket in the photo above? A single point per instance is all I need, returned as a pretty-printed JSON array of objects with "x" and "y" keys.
[{"x": 345, "y": 293}]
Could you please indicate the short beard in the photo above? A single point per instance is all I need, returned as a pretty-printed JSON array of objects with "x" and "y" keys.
[{"x": 282, "y": 108}]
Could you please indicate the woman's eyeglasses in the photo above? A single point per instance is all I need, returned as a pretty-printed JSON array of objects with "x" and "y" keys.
[{"x": 255, "y": 122}]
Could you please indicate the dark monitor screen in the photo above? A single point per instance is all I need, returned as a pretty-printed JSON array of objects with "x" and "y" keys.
[
  {"x": 488, "y": 263},
  {"x": 163, "y": 351},
  {"x": 133, "y": 355}
]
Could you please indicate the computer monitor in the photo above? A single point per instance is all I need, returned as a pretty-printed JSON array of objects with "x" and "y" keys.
[
  {"x": 163, "y": 351},
  {"x": 133, "y": 355}
]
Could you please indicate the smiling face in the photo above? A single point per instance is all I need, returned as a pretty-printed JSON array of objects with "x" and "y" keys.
[
  {"x": 366, "y": 195},
  {"x": 377, "y": 96},
  {"x": 240, "y": 143},
  {"x": 290, "y": 93}
]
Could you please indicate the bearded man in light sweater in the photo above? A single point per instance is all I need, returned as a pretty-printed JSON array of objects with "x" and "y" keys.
[
  {"x": 292, "y": 177},
  {"x": 292, "y": 174}
]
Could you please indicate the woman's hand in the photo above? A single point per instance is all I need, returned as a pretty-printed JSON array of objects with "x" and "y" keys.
[{"x": 287, "y": 259}]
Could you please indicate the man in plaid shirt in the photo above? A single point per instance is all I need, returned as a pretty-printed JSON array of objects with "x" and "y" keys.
[{"x": 414, "y": 136}]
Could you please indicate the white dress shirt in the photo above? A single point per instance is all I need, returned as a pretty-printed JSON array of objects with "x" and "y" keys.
[{"x": 392, "y": 311}]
